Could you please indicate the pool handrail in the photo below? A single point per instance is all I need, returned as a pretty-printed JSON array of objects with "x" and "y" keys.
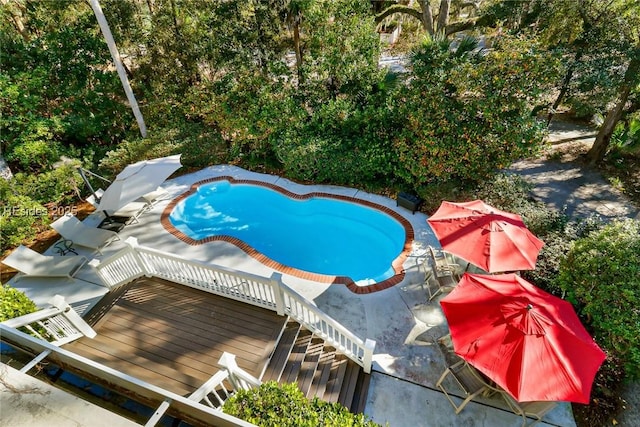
[{"x": 135, "y": 261}]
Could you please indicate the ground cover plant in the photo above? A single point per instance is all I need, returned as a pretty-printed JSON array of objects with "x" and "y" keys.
[
  {"x": 272, "y": 405},
  {"x": 14, "y": 303}
]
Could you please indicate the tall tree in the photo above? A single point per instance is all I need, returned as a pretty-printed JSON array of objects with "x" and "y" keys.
[
  {"x": 630, "y": 83},
  {"x": 598, "y": 40}
]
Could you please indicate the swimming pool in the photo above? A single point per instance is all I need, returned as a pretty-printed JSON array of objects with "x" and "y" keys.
[{"x": 328, "y": 235}]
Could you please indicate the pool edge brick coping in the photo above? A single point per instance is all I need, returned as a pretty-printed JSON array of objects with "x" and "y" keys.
[{"x": 397, "y": 264}]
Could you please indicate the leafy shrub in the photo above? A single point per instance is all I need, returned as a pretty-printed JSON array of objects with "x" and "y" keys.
[
  {"x": 199, "y": 145},
  {"x": 14, "y": 303},
  {"x": 18, "y": 216},
  {"x": 35, "y": 154},
  {"x": 340, "y": 142},
  {"x": 466, "y": 114},
  {"x": 512, "y": 193},
  {"x": 285, "y": 406},
  {"x": 601, "y": 275},
  {"x": 58, "y": 185}
]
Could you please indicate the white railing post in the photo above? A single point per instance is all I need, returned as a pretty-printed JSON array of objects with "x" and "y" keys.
[
  {"x": 278, "y": 291},
  {"x": 67, "y": 311},
  {"x": 132, "y": 242},
  {"x": 367, "y": 358},
  {"x": 238, "y": 377}
]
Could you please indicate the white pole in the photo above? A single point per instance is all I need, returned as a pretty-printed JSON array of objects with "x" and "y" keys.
[{"x": 106, "y": 32}]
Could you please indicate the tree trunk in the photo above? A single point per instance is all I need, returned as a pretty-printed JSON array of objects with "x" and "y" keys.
[
  {"x": 565, "y": 85},
  {"x": 603, "y": 139},
  {"x": 296, "y": 44},
  {"x": 443, "y": 16},
  {"x": 400, "y": 8},
  {"x": 108, "y": 37},
  {"x": 16, "y": 18},
  {"x": 601, "y": 144},
  {"x": 427, "y": 16}
]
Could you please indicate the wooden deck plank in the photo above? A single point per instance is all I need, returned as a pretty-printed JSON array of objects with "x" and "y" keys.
[
  {"x": 360, "y": 395},
  {"x": 203, "y": 314},
  {"x": 175, "y": 340},
  {"x": 338, "y": 369},
  {"x": 309, "y": 364},
  {"x": 186, "y": 301},
  {"x": 290, "y": 373},
  {"x": 348, "y": 386},
  {"x": 321, "y": 376},
  {"x": 200, "y": 337},
  {"x": 281, "y": 354},
  {"x": 173, "y": 336}
]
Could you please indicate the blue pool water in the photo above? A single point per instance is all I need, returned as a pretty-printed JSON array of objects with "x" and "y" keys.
[{"x": 319, "y": 235}]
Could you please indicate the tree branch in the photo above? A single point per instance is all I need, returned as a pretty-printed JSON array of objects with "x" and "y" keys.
[
  {"x": 456, "y": 27},
  {"x": 398, "y": 8}
]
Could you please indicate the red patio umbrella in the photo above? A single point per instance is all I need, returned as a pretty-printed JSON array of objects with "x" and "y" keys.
[
  {"x": 485, "y": 236},
  {"x": 529, "y": 342}
]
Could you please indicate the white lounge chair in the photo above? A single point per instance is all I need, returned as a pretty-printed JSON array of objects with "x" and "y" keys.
[
  {"x": 155, "y": 196},
  {"x": 34, "y": 264},
  {"x": 131, "y": 210},
  {"x": 74, "y": 230}
]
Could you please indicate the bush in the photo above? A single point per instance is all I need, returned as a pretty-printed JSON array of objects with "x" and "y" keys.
[
  {"x": 511, "y": 193},
  {"x": 18, "y": 216},
  {"x": 199, "y": 145},
  {"x": 14, "y": 303},
  {"x": 340, "y": 145},
  {"x": 601, "y": 276},
  {"x": 466, "y": 113},
  {"x": 285, "y": 405},
  {"x": 56, "y": 186}
]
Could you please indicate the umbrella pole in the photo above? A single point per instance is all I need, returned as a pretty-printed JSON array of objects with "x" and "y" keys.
[{"x": 88, "y": 184}]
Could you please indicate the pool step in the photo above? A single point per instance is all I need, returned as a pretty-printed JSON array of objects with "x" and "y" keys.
[{"x": 318, "y": 369}]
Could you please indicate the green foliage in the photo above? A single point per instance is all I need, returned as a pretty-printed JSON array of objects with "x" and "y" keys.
[
  {"x": 19, "y": 214},
  {"x": 285, "y": 405},
  {"x": 199, "y": 145},
  {"x": 14, "y": 303},
  {"x": 56, "y": 186},
  {"x": 336, "y": 30},
  {"x": 627, "y": 135},
  {"x": 340, "y": 143},
  {"x": 512, "y": 193},
  {"x": 601, "y": 275},
  {"x": 467, "y": 114},
  {"x": 59, "y": 96}
]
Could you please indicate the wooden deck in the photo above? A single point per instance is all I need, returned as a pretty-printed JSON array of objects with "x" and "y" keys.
[{"x": 172, "y": 336}]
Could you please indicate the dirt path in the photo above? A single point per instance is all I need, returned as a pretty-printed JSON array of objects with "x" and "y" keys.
[{"x": 562, "y": 183}]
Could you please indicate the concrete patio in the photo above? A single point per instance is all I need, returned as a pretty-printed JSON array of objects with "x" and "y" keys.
[{"x": 404, "y": 324}]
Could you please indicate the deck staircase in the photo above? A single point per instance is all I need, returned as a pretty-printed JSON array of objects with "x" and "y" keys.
[{"x": 318, "y": 369}]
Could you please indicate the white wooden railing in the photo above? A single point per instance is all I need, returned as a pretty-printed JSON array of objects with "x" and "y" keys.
[
  {"x": 135, "y": 261},
  {"x": 57, "y": 325},
  {"x": 214, "y": 392},
  {"x": 183, "y": 407}
]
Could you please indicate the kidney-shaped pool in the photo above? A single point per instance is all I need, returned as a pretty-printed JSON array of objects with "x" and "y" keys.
[{"x": 316, "y": 232}]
